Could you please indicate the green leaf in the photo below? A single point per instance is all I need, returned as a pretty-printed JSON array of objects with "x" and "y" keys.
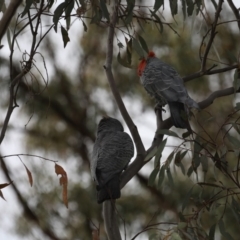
[
  {"x": 2, "y": 6},
  {"x": 120, "y": 45},
  {"x": 104, "y": 9},
  {"x": 137, "y": 47},
  {"x": 151, "y": 154},
  {"x": 157, "y": 4},
  {"x": 65, "y": 37},
  {"x": 129, "y": 11},
  {"x": 196, "y": 162},
  {"x": 182, "y": 225},
  {"x": 84, "y": 26},
  {"x": 204, "y": 162},
  {"x": 152, "y": 177},
  {"x": 159, "y": 153},
  {"x": 236, "y": 127},
  {"x": 175, "y": 236},
  {"x": 50, "y": 3},
  {"x": 68, "y": 10},
  {"x": 9, "y": 38},
  {"x": 199, "y": 4},
  {"x": 233, "y": 140},
  {"x": 190, "y": 171},
  {"x": 186, "y": 134},
  {"x": 169, "y": 159},
  {"x": 197, "y": 147},
  {"x": 237, "y": 107},
  {"x": 173, "y": 7},
  {"x": 161, "y": 147},
  {"x": 182, "y": 217},
  {"x": 212, "y": 232},
  {"x": 143, "y": 44},
  {"x": 122, "y": 61},
  {"x": 129, "y": 50},
  {"x": 179, "y": 156},
  {"x": 236, "y": 80},
  {"x": 97, "y": 17},
  {"x": 57, "y": 14},
  {"x": 182, "y": 168},
  {"x": 214, "y": 4},
  {"x": 167, "y": 132},
  {"x": 27, "y": 7},
  {"x": 190, "y": 7},
  {"x": 184, "y": 9},
  {"x": 161, "y": 177},
  {"x": 170, "y": 179},
  {"x": 158, "y": 20},
  {"x": 222, "y": 229},
  {"x": 153, "y": 236},
  {"x": 130, "y": 5},
  {"x": 236, "y": 209},
  {"x": 187, "y": 198},
  {"x": 128, "y": 19}
]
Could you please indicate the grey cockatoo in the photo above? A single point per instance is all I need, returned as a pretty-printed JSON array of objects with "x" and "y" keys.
[
  {"x": 112, "y": 151},
  {"x": 163, "y": 83}
]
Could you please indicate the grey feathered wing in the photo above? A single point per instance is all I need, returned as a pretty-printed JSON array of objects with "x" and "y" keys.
[
  {"x": 166, "y": 86},
  {"x": 112, "y": 153}
]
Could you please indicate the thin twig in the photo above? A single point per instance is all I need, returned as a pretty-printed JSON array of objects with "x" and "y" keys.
[
  {"x": 28, "y": 155},
  {"x": 212, "y": 36},
  {"x": 235, "y": 11},
  {"x": 209, "y": 72}
]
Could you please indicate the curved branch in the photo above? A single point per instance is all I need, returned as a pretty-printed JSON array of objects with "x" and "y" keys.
[
  {"x": 108, "y": 68},
  {"x": 7, "y": 16},
  {"x": 217, "y": 94},
  {"x": 235, "y": 11}
]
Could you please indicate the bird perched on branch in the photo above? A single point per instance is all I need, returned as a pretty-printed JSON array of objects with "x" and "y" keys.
[
  {"x": 163, "y": 83},
  {"x": 112, "y": 151}
]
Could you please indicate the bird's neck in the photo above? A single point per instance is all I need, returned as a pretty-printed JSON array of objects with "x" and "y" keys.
[{"x": 141, "y": 67}]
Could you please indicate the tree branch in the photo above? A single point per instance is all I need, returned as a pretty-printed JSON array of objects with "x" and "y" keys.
[
  {"x": 217, "y": 94},
  {"x": 7, "y": 16},
  {"x": 212, "y": 35},
  {"x": 111, "y": 224},
  {"x": 108, "y": 68},
  {"x": 235, "y": 11},
  {"x": 209, "y": 72}
]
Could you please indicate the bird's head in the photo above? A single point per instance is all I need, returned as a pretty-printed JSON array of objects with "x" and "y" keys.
[
  {"x": 143, "y": 63},
  {"x": 108, "y": 123}
]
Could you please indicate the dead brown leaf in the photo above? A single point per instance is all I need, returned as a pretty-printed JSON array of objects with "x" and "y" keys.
[
  {"x": 63, "y": 182},
  {"x": 30, "y": 179}
]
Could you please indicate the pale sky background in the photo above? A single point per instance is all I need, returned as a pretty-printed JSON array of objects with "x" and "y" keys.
[{"x": 13, "y": 143}]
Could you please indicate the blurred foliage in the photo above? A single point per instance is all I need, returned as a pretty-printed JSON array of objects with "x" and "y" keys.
[{"x": 60, "y": 115}]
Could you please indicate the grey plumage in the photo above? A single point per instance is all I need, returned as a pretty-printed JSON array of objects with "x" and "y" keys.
[
  {"x": 163, "y": 83},
  {"x": 112, "y": 151}
]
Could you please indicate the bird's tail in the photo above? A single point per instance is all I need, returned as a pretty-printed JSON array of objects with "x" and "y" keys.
[
  {"x": 111, "y": 190},
  {"x": 179, "y": 115}
]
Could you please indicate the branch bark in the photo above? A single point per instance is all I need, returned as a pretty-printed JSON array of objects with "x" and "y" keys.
[
  {"x": 7, "y": 16},
  {"x": 212, "y": 36},
  {"x": 110, "y": 219},
  {"x": 235, "y": 11},
  {"x": 108, "y": 68},
  {"x": 209, "y": 72}
]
